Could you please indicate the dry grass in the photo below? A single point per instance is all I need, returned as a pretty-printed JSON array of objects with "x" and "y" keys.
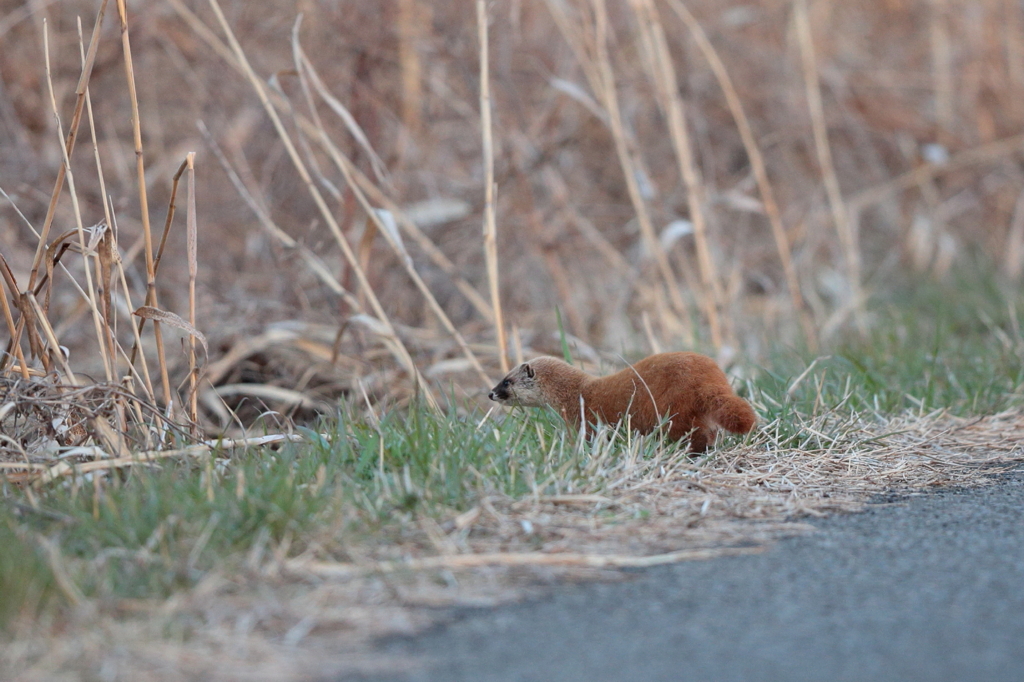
[
  {"x": 50, "y": 411},
  {"x": 837, "y": 464},
  {"x": 278, "y": 612}
]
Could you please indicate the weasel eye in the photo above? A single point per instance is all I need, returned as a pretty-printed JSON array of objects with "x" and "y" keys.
[{"x": 505, "y": 383}]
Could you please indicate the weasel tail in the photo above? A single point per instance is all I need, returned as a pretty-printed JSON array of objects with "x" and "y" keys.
[
  {"x": 687, "y": 392},
  {"x": 734, "y": 414}
]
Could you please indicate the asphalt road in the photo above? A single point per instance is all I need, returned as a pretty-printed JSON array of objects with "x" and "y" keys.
[{"x": 931, "y": 588}]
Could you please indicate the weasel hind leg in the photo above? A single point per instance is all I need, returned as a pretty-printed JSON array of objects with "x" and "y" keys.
[
  {"x": 702, "y": 438},
  {"x": 700, "y": 430}
]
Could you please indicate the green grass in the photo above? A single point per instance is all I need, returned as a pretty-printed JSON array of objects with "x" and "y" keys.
[
  {"x": 957, "y": 346},
  {"x": 26, "y": 582},
  {"x": 156, "y": 530}
]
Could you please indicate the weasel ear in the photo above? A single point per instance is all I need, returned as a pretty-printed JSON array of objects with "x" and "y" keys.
[{"x": 530, "y": 372}]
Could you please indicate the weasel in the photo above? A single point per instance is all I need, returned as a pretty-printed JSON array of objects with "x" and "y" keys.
[{"x": 686, "y": 391}]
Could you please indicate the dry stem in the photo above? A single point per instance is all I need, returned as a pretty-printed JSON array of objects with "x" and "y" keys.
[
  {"x": 106, "y": 353},
  {"x": 663, "y": 74},
  {"x": 490, "y": 225},
  {"x": 193, "y": 269},
  {"x": 140, "y": 170},
  {"x": 844, "y": 228},
  {"x": 757, "y": 164},
  {"x": 609, "y": 96},
  {"x": 69, "y": 145}
]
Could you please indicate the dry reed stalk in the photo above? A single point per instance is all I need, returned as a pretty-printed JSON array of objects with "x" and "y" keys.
[
  {"x": 14, "y": 345},
  {"x": 69, "y": 144},
  {"x": 169, "y": 220},
  {"x": 840, "y": 217},
  {"x": 14, "y": 330},
  {"x": 106, "y": 353},
  {"x": 364, "y": 248},
  {"x": 147, "y": 381},
  {"x": 517, "y": 348},
  {"x": 192, "y": 238},
  {"x": 986, "y": 71},
  {"x": 305, "y": 68},
  {"x": 101, "y": 244},
  {"x": 140, "y": 170},
  {"x": 38, "y": 316},
  {"x": 1013, "y": 35},
  {"x": 490, "y": 227},
  {"x": 103, "y": 256},
  {"x": 100, "y": 177},
  {"x": 27, "y": 325},
  {"x": 663, "y": 74},
  {"x": 942, "y": 69},
  {"x": 652, "y": 340},
  {"x": 137, "y": 329},
  {"x": 606, "y": 92},
  {"x": 410, "y": 30},
  {"x": 277, "y": 394},
  {"x": 1013, "y": 253},
  {"x": 758, "y": 166},
  {"x": 107, "y": 248},
  {"x": 343, "y": 571},
  {"x": 402, "y": 353}
]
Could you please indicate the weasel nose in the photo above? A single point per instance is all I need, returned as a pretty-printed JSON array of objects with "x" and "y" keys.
[{"x": 491, "y": 395}]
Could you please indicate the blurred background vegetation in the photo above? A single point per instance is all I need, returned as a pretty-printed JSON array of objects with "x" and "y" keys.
[{"x": 725, "y": 176}]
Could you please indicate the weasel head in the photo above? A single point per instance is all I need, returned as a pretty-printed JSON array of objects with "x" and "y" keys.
[{"x": 519, "y": 387}]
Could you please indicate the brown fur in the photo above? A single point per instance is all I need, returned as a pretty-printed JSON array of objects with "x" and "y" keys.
[{"x": 690, "y": 393}]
